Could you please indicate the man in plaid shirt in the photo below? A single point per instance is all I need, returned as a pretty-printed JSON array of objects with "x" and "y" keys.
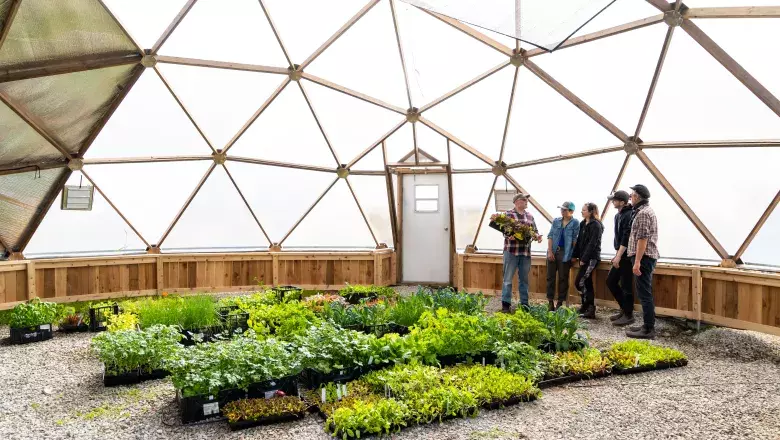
[
  {"x": 643, "y": 252},
  {"x": 517, "y": 255}
]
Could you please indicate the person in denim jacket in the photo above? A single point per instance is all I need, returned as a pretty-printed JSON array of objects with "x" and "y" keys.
[{"x": 560, "y": 246}]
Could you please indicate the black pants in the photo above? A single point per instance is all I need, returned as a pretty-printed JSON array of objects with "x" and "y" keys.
[
  {"x": 644, "y": 290},
  {"x": 620, "y": 282},
  {"x": 561, "y": 269},
  {"x": 584, "y": 282}
]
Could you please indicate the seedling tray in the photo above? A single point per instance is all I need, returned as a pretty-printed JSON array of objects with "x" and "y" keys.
[
  {"x": 66, "y": 328},
  {"x": 189, "y": 339},
  {"x": 244, "y": 424},
  {"x": 29, "y": 335},
  {"x": 205, "y": 407},
  {"x": 132, "y": 378},
  {"x": 456, "y": 359},
  {"x": 547, "y": 383},
  {"x": 314, "y": 379},
  {"x": 267, "y": 389},
  {"x": 355, "y": 298},
  {"x": 98, "y": 317},
  {"x": 497, "y": 404},
  {"x": 658, "y": 366},
  {"x": 281, "y": 291}
]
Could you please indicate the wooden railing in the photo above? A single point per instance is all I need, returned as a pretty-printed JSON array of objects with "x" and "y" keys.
[
  {"x": 67, "y": 280},
  {"x": 728, "y": 297}
]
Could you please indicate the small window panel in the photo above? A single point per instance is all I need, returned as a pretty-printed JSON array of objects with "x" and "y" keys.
[
  {"x": 504, "y": 200},
  {"x": 426, "y": 198},
  {"x": 77, "y": 198}
]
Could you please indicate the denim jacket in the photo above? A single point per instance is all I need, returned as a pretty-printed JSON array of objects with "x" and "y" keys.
[{"x": 569, "y": 238}]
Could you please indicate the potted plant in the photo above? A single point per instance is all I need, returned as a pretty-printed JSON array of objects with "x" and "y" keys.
[
  {"x": 99, "y": 313},
  {"x": 32, "y": 321},
  {"x": 638, "y": 356},
  {"x": 72, "y": 321}
]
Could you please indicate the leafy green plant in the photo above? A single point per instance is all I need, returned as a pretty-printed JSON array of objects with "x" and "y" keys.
[
  {"x": 362, "y": 418},
  {"x": 631, "y": 354},
  {"x": 190, "y": 313},
  {"x": 122, "y": 321},
  {"x": 326, "y": 348},
  {"x": 318, "y": 302},
  {"x": 357, "y": 316},
  {"x": 446, "y": 333},
  {"x": 588, "y": 361},
  {"x": 523, "y": 359},
  {"x": 407, "y": 310},
  {"x": 520, "y": 327},
  {"x": 449, "y": 299},
  {"x": 356, "y": 293},
  {"x": 283, "y": 320},
  {"x": 67, "y": 316},
  {"x": 233, "y": 364},
  {"x": 255, "y": 409},
  {"x": 563, "y": 325},
  {"x": 33, "y": 313},
  {"x": 126, "y": 351},
  {"x": 490, "y": 384}
]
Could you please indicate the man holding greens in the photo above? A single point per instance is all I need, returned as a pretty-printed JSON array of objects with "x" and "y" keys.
[{"x": 517, "y": 255}]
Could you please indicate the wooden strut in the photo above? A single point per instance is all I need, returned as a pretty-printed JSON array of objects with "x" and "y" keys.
[
  {"x": 319, "y": 124},
  {"x": 416, "y": 147},
  {"x": 562, "y": 157},
  {"x": 764, "y": 217},
  {"x": 184, "y": 109},
  {"x": 251, "y": 211},
  {"x": 339, "y": 33},
  {"x": 349, "y": 92},
  {"x": 280, "y": 164},
  {"x": 531, "y": 198},
  {"x": 257, "y": 114},
  {"x": 35, "y": 124},
  {"x": 384, "y": 137},
  {"x": 654, "y": 81},
  {"x": 453, "y": 242},
  {"x": 362, "y": 213},
  {"x": 174, "y": 24},
  {"x": 82, "y": 63},
  {"x": 484, "y": 211},
  {"x": 110, "y": 203},
  {"x": 30, "y": 168},
  {"x": 187, "y": 203},
  {"x": 9, "y": 21},
  {"x": 276, "y": 32},
  {"x": 719, "y": 249},
  {"x": 508, "y": 115},
  {"x": 401, "y": 52},
  {"x": 149, "y": 159},
  {"x": 734, "y": 12},
  {"x": 713, "y": 144},
  {"x": 183, "y": 61},
  {"x": 463, "y": 87},
  {"x": 309, "y": 210},
  {"x": 390, "y": 197},
  {"x": 618, "y": 179},
  {"x": 473, "y": 151}
]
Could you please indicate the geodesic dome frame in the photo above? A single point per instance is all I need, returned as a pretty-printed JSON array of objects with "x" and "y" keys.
[{"x": 52, "y": 146}]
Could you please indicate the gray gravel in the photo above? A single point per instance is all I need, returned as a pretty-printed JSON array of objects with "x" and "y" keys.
[{"x": 53, "y": 390}]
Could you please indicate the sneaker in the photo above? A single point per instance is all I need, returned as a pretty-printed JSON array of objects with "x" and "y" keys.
[
  {"x": 635, "y": 328},
  {"x": 559, "y": 305},
  {"x": 551, "y": 306},
  {"x": 616, "y": 316},
  {"x": 589, "y": 313},
  {"x": 506, "y": 307},
  {"x": 623, "y": 320},
  {"x": 642, "y": 333}
]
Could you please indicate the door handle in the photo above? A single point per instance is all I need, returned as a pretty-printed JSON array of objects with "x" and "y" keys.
[{"x": 446, "y": 229}]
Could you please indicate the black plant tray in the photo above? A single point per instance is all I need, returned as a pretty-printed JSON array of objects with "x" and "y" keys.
[
  {"x": 267, "y": 389},
  {"x": 28, "y": 335},
  {"x": 132, "y": 377},
  {"x": 281, "y": 291},
  {"x": 205, "y": 407},
  {"x": 658, "y": 366},
  {"x": 355, "y": 298},
  {"x": 547, "y": 383},
  {"x": 455, "y": 359},
  {"x": 314, "y": 379},
  {"x": 66, "y": 328},
  {"x": 98, "y": 317},
  {"x": 497, "y": 404},
  {"x": 244, "y": 424},
  {"x": 189, "y": 340}
]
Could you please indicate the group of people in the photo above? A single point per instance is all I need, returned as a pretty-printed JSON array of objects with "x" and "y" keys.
[{"x": 573, "y": 242}]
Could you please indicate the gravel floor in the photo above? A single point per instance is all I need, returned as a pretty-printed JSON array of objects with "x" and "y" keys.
[{"x": 730, "y": 390}]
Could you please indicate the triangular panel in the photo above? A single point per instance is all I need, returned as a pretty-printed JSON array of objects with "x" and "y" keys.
[
  {"x": 21, "y": 145},
  {"x": 98, "y": 231},
  {"x": 477, "y": 115},
  {"x": 688, "y": 107},
  {"x": 286, "y": 132},
  {"x": 237, "y": 32},
  {"x": 278, "y": 196},
  {"x": 352, "y": 125},
  {"x": 372, "y": 161},
  {"x": 216, "y": 220},
  {"x": 432, "y": 143},
  {"x": 303, "y": 30},
  {"x": 545, "y": 124},
  {"x": 678, "y": 238},
  {"x": 22, "y": 194},
  {"x": 220, "y": 100},
  {"x": 335, "y": 222},
  {"x": 371, "y": 192},
  {"x": 61, "y": 104},
  {"x": 752, "y": 183},
  {"x": 597, "y": 72},
  {"x": 618, "y": 13},
  {"x": 149, "y": 194},
  {"x": 83, "y": 27},
  {"x": 763, "y": 248},
  {"x": 148, "y": 122},
  {"x": 145, "y": 20},
  {"x": 438, "y": 57},
  {"x": 399, "y": 143},
  {"x": 366, "y": 59},
  {"x": 470, "y": 192}
]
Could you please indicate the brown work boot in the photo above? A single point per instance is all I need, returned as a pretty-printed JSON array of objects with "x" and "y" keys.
[
  {"x": 642, "y": 333},
  {"x": 616, "y": 316},
  {"x": 624, "y": 320}
]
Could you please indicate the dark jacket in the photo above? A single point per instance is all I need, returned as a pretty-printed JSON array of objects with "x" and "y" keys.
[
  {"x": 589, "y": 241},
  {"x": 623, "y": 226}
]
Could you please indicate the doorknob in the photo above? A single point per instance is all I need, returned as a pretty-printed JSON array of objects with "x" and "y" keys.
[{"x": 446, "y": 229}]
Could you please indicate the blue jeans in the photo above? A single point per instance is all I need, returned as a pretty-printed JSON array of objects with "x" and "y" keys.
[{"x": 522, "y": 265}]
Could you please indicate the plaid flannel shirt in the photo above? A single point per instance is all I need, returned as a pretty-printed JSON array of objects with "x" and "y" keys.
[
  {"x": 644, "y": 225},
  {"x": 515, "y": 247}
]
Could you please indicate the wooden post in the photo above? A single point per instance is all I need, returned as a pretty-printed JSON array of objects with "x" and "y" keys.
[
  {"x": 697, "y": 293},
  {"x": 393, "y": 269},
  {"x": 460, "y": 270},
  {"x": 275, "y": 270},
  {"x": 160, "y": 275},
  {"x": 31, "y": 289},
  {"x": 377, "y": 269}
]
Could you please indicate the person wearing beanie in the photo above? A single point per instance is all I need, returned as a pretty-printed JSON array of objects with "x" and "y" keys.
[
  {"x": 643, "y": 252},
  {"x": 560, "y": 247},
  {"x": 588, "y": 251},
  {"x": 517, "y": 255},
  {"x": 620, "y": 280}
]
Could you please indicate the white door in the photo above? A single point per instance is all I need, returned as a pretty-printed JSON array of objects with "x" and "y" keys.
[{"x": 426, "y": 229}]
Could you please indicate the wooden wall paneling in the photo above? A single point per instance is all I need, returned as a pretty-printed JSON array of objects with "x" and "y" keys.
[
  {"x": 730, "y": 301},
  {"x": 40, "y": 284},
  {"x": 61, "y": 282},
  {"x": 31, "y": 290},
  {"x": 684, "y": 294},
  {"x": 134, "y": 277},
  {"x": 461, "y": 273},
  {"x": 3, "y": 290},
  {"x": 275, "y": 270},
  {"x": 21, "y": 285},
  {"x": 771, "y": 307}
]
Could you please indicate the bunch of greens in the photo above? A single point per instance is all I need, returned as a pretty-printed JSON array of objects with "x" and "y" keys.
[
  {"x": 361, "y": 418},
  {"x": 234, "y": 364},
  {"x": 326, "y": 348},
  {"x": 251, "y": 410},
  {"x": 562, "y": 325},
  {"x": 492, "y": 385},
  {"x": 446, "y": 333},
  {"x": 190, "y": 313},
  {"x": 34, "y": 313},
  {"x": 283, "y": 320},
  {"x": 129, "y": 351},
  {"x": 122, "y": 321},
  {"x": 245, "y": 302},
  {"x": 387, "y": 350},
  {"x": 354, "y": 294},
  {"x": 523, "y": 359},
  {"x": 449, "y": 299},
  {"x": 358, "y": 316},
  {"x": 588, "y": 362},
  {"x": 407, "y": 310},
  {"x": 631, "y": 354},
  {"x": 520, "y": 327}
]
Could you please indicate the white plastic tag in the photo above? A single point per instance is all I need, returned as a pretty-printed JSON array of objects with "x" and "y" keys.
[
  {"x": 345, "y": 390},
  {"x": 45, "y": 327},
  {"x": 323, "y": 395},
  {"x": 370, "y": 360},
  {"x": 338, "y": 392},
  {"x": 270, "y": 394},
  {"x": 210, "y": 408}
]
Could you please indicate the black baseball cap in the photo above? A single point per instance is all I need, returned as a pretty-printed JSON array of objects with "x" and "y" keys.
[
  {"x": 642, "y": 191},
  {"x": 619, "y": 195}
]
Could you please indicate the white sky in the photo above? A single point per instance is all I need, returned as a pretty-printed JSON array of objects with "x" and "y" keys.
[{"x": 696, "y": 99}]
